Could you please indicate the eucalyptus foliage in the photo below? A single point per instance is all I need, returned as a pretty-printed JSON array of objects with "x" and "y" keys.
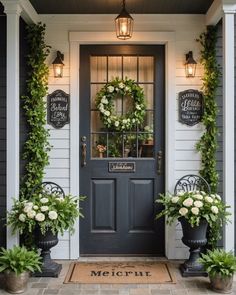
[
  {"x": 36, "y": 147},
  {"x": 207, "y": 145}
]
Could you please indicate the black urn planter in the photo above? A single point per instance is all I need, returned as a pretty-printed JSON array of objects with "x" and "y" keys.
[
  {"x": 45, "y": 242},
  {"x": 194, "y": 238}
]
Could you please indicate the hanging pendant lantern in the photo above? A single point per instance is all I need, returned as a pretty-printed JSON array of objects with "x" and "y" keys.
[{"x": 124, "y": 24}]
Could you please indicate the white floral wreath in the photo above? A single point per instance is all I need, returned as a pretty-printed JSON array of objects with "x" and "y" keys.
[{"x": 105, "y": 104}]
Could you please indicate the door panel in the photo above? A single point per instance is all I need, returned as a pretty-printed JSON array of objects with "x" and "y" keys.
[{"x": 119, "y": 210}]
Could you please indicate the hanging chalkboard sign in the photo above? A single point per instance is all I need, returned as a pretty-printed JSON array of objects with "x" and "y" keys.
[
  {"x": 58, "y": 109},
  {"x": 190, "y": 107}
]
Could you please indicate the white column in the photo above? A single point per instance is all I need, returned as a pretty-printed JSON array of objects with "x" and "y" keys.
[
  {"x": 12, "y": 10},
  {"x": 228, "y": 123}
]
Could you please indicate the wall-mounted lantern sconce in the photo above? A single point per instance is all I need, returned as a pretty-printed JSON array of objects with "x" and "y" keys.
[
  {"x": 124, "y": 24},
  {"x": 190, "y": 65},
  {"x": 58, "y": 65}
]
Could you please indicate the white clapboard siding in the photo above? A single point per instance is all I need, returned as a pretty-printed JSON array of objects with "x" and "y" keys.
[{"x": 187, "y": 29}]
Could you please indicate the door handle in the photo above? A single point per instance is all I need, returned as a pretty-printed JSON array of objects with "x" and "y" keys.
[
  {"x": 159, "y": 162},
  {"x": 83, "y": 154}
]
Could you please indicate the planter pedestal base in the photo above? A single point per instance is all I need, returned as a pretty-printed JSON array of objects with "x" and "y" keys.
[
  {"x": 191, "y": 272},
  {"x": 49, "y": 268}
]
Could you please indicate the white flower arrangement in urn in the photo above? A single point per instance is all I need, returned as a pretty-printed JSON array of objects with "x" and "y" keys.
[
  {"x": 46, "y": 211},
  {"x": 194, "y": 206}
]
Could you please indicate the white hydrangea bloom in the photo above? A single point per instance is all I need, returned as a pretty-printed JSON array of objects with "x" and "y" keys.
[
  {"x": 175, "y": 199},
  {"x": 22, "y": 217},
  {"x": 31, "y": 214},
  {"x": 188, "y": 202},
  {"x": 40, "y": 217},
  {"x": 214, "y": 209},
  {"x": 198, "y": 204},
  {"x": 52, "y": 215},
  {"x": 195, "y": 210},
  {"x": 183, "y": 211},
  {"x": 44, "y": 208},
  {"x": 121, "y": 85},
  {"x": 44, "y": 200}
]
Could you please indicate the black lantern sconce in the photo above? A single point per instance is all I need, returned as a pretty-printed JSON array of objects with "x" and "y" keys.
[
  {"x": 124, "y": 24},
  {"x": 190, "y": 65},
  {"x": 58, "y": 65}
]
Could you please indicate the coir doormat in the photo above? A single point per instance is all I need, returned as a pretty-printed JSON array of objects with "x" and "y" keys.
[{"x": 120, "y": 273}]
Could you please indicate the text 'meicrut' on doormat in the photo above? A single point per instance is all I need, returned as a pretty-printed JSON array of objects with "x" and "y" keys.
[{"x": 119, "y": 273}]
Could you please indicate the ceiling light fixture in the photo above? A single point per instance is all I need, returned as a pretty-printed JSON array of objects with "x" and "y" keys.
[{"x": 124, "y": 24}]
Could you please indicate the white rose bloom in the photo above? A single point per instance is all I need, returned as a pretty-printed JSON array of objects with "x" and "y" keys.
[
  {"x": 181, "y": 193},
  {"x": 31, "y": 214},
  {"x": 198, "y": 204},
  {"x": 188, "y": 202},
  {"x": 27, "y": 209},
  {"x": 52, "y": 215},
  {"x": 198, "y": 196},
  {"x": 127, "y": 88},
  {"x": 214, "y": 209},
  {"x": 174, "y": 200},
  {"x": 104, "y": 100},
  {"x": 22, "y": 217},
  {"x": 124, "y": 121},
  {"x": 111, "y": 89},
  {"x": 107, "y": 113},
  {"x": 133, "y": 120},
  {"x": 208, "y": 199},
  {"x": 117, "y": 123},
  {"x": 40, "y": 217},
  {"x": 138, "y": 107},
  {"x": 44, "y": 200},
  {"x": 44, "y": 208},
  {"x": 29, "y": 204},
  {"x": 121, "y": 85},
  {"x": 195, "y": 210},
  {"x": 218, "y": 196},
  {"x": 35, "y": 207},
  {"x": 183, "y": 211}
]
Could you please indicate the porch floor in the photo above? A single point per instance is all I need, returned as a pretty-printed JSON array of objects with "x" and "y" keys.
[{"x": 184, "y": 286}]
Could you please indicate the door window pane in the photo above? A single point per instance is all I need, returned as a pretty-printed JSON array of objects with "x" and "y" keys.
[
  {"x": 146, "y": 69},
  {"x": 130, "y": 67},
  {"x": 114, "y": 67},
  {"x": 98, "y": 66}
]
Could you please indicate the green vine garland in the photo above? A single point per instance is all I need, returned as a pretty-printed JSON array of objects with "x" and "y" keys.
[
  {"x": 36, "y": 147},
  {"x": 207, "y": 145},
  {"x": 105, "y": 104}
]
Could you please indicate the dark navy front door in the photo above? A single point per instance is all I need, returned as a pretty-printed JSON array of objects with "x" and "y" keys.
[{"x": 119, "y": 209}]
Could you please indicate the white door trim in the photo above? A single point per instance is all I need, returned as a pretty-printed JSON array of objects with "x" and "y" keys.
[{"x": 78, "y": 38}]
